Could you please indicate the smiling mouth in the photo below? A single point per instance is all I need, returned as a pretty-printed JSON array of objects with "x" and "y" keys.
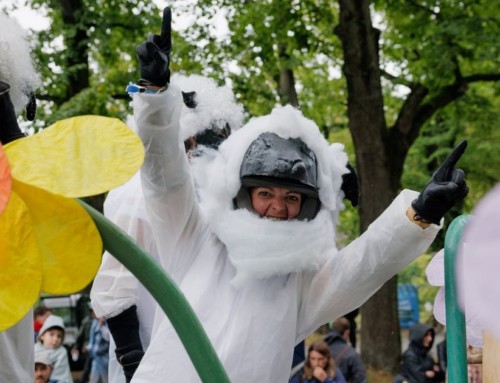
[{"x": 276, "y": 218}]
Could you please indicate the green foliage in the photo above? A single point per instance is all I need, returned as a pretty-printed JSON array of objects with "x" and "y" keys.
[{"x": 430, "y": 40}]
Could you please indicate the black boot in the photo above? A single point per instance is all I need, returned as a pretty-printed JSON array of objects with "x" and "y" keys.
[
  {"x": 124, "y": 329},
  {"x": 9, "y": 129}
]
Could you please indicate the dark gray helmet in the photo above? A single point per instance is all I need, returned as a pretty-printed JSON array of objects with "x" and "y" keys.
[{"x": 274, "y": 161}]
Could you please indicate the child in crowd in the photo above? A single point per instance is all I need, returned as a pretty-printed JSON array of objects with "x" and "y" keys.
[{"x": 51, "y": 338}]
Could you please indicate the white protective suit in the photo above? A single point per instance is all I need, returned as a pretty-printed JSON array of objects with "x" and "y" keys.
[
  {"x": 17, "y": 358},
  {"x": 115, "y": 289},
  {"x": 258, "y": 286}
]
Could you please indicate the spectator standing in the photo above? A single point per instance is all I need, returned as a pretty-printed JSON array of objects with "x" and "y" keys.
[
  {"x": 346, "y": 358},
  {"x": 51, "y": 340},
  {"x": 81, "y": 345},
  {"x": 418, "y": 366},
  {"x": 319, "y": 366},
  {"x": 99, "y": 351}
]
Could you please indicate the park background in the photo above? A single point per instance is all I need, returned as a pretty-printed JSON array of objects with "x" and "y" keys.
[{"x": 398, "y": 82}]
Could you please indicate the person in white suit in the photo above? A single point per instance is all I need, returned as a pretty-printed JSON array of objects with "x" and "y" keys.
[
  {"x": 209, "y": 114},
  {"x": 255, "y": 251}
]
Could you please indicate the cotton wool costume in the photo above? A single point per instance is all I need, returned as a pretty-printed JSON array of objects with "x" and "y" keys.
[
  {"x": 256, "y": 283},
  {"x": 259, "y": 286},
  {"x": 18, "y": 79},
  {"x": 208, "y": 109}
]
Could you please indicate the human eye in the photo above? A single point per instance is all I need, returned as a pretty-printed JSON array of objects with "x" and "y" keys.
[
  {"x": 293, "y": 198},
  {"x": 263, "y": 193}
]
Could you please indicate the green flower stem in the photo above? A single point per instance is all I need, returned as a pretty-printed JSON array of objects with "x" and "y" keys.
[
  {"x": 166, "y": 293},
  {"x": 455, "y": 318}
]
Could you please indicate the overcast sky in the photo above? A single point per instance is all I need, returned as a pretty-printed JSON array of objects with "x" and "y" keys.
[{"x": 36, "y": 20}]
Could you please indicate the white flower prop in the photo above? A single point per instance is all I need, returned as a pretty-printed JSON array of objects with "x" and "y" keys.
[
  {"x": 477, "y": 266},
  {"x": 478, "y": 285}
]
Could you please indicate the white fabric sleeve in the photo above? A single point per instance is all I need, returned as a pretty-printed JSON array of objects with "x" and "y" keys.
[
  {"x": 356, "y": 272},
  {"x": 17, "y": 359},
  {"x": 167, "y": 183},
  {"x": 115, "y": 289}
]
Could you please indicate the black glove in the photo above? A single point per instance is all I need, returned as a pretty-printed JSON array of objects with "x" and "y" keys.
[
  {"x": 124, "y": 329},
  {"x": 446, "y": 187},
  {"x": 9, "y": 128},
  {"x": 350, "y": 185},
  {"x": 154, "y": 54}
]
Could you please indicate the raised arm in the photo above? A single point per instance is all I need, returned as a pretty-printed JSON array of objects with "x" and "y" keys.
[
  {"x": 167, "y": 183},
  {"x": 403, "y": 232}
]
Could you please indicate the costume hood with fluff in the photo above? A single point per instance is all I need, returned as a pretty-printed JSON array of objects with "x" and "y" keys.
[
  {"x": 16, "y": 66},
  {"x": 215, "y": 106},
  {"x": 261, "y": 248}
]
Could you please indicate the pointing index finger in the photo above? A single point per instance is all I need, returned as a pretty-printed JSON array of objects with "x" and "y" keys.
[
  {"x": 444, "y": 171},
  {"x": 166, "y": 30}
]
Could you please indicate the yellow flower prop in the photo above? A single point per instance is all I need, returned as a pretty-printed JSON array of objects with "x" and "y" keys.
[{"x": 48, "y": 242}]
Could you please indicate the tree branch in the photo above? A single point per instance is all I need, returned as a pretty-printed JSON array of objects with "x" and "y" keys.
[{"x": 414, "y": 113}]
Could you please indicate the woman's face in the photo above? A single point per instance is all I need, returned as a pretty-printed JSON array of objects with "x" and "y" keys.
[
  {"x": 317, "y": 360},
  {"x": 276, "y": 202}
]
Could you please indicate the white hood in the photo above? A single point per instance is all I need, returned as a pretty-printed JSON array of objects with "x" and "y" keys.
[
  {"x": 52, "y": 321},
  {"x": 257, "y": 247},
  {"x": 286, "y": 122},
  {"x": 215, "y": 105}
]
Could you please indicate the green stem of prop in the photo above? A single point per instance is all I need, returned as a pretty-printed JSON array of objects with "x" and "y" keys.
[
  {"x": 166, "y": 293},
  {"x": 455, "y": 319}
]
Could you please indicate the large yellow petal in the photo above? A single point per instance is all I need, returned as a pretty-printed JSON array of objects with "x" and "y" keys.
[
  {"x": 69, "y": 242},
  {"x": 5, "y": 183},
  {"x": 20, "y": 268},
  {"x": 77, "y": 157}
]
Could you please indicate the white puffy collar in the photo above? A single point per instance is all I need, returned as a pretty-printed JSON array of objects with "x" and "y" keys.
[{"x": 261, "y": 248}]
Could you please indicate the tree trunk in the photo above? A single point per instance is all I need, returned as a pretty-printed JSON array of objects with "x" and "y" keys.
[
  {"x": 77, "y": 62},
  {"x": 380, "y": 340},
  {"x": 77, "y": 55},
  {"x": 286, "y": 86}
]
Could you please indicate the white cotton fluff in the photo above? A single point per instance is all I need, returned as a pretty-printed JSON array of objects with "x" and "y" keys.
[
  {"x": 262, "y": 248},
  {"x": 259, "y": 247},
  {"x": 286, "y": 122},
  {"x": 16, "y": 66},
  {"x": 215, "y": 105}
]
